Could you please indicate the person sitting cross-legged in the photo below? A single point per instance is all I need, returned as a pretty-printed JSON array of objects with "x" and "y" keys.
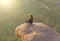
[{"x": 31, "y": 19}]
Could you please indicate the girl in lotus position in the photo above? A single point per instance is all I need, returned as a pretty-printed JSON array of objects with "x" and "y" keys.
[{"x": 30, "y": 19}]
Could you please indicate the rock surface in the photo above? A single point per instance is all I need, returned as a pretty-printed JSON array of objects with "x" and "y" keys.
[{"x": 36, "y": 32}]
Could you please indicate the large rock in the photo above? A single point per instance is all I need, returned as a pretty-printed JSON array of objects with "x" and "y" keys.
[{"x": 36, "y": 32}]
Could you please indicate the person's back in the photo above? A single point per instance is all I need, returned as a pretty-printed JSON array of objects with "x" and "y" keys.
[{"x": 30, "y": 19}]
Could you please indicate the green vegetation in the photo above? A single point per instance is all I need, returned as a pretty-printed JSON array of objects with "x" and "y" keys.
[{"x": 45, "y": 11}]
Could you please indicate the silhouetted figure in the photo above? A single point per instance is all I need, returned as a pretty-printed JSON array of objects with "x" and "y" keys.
[{"x": 30, "y": 19}]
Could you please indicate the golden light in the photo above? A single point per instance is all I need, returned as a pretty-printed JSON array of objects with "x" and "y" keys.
[
  {"x": 5, "y": 2},
  {"x": 8, "y": 4}
]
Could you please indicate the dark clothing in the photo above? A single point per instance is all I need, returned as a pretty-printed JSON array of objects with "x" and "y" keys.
[{"x": 30, "y": 21}]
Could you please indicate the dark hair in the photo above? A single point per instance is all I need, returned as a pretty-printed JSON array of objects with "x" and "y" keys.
[{"x": 31, "y": 15}]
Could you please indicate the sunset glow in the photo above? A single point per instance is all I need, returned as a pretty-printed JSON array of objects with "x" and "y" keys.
[{"x": 5, "y": 2}]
